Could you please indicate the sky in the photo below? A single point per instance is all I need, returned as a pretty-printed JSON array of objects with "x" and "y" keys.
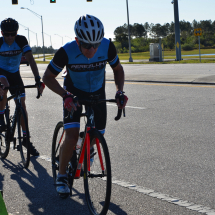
[{"x": 59, "y": 18}]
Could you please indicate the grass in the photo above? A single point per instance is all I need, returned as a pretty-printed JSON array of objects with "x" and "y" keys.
[
  {"x": 175, "y": 62},
  {"x": 168, "y": 55}
]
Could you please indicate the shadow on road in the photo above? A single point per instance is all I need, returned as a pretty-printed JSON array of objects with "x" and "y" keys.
[{"x": 42, "y": 198}]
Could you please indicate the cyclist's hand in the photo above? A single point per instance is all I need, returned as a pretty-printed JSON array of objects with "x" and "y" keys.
[
  {"x": 40, "y": 85},
  {"x": 121, "y": 99},
  {"x": 70, "y": 102}
]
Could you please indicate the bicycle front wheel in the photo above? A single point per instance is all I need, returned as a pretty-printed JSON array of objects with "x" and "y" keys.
[
  {"x": 5, "y": 137},
  {"x": 24, "y": 140},
  {"x": 57, "y": 140},
  {"x": 97, "y": 184}
]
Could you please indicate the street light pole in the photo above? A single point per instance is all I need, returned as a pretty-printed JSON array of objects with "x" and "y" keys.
[
  {"x": 50, "y": 39},
  {"x": 61, "y": 37},
  {"x": 68, "y": 37},
  {"x": 26, "y": 28},
  {"x": 36, "y": 39},
  {"x": 41, "y": 17},
  {"x": 28, "y": 37},
  {"x": 129, "y": 37}
]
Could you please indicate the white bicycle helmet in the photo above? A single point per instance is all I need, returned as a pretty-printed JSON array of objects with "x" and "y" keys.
[{"x": 89, "y": 29}]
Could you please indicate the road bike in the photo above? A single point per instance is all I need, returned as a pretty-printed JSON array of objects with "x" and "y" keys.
[
  {"x": 19, "y": 118},
  {"x": 96, "y": 174}
]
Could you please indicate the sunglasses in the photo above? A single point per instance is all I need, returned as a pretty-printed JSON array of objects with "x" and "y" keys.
[
  {"x": 88, "y": 45},
  {"x": 9, "y": 34}
]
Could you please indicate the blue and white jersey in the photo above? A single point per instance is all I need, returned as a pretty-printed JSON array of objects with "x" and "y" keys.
[
  {"x": 86, "y": 74},
  {"x": 10, "y": 56}
]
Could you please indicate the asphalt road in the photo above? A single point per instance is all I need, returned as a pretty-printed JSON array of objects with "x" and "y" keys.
[{"x": 162, "y": 153}]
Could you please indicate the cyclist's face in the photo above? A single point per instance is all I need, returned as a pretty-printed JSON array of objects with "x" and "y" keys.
[
  {"x": 89, "y": 53},
  {"x": 9, "y": 37}
]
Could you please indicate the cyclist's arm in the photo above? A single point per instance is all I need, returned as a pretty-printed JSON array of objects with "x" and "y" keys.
[
  {"x": 32, "y": 63},
  {"x": 119, "y": 76},
  {"x": 50, "y": 81}
]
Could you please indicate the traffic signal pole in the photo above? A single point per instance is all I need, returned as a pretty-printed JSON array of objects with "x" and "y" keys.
[{"x": 177, "y": 31}]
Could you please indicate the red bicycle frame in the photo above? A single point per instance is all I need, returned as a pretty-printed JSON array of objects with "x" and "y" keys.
[{"x": 81, "y": 158}]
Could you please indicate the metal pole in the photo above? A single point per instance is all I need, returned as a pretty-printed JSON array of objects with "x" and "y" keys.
[
  {"x": 129, "y": 37},
  {"x": 177, "y": 29},
  {"x": 51, "y": 41},
  {"x": 199, "y": 50},
  {"x": 43, "y": 39},
  {"x": 28, "y": 37},
  {"x": 37, "y": 44}
]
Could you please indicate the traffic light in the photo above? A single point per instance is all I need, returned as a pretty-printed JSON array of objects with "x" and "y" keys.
[
  {"x": 52, "y": 1},
  {"x": 14, "y": 1}
]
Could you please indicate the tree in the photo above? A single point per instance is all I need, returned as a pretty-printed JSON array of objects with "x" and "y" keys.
[
  {"x": 159, "y": 31},
  {"x": 147, "y": 28},
  {"x": 138, "y": 30}
]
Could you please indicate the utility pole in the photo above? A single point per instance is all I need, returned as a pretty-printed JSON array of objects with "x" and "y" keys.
[{"x": 177, "y": 30}]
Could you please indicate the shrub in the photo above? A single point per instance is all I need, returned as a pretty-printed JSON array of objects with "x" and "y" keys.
[{"x": 187, "y": 47}]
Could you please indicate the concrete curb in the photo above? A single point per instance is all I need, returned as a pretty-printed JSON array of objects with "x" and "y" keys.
[{"x": 167, "y": 82}]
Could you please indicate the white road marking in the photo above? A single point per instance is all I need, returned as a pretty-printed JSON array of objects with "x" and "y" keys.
[
  {"x": 142, "y": 108},
  {"x": 164, "y": 197}
]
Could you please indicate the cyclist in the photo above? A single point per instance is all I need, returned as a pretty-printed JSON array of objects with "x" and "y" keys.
[
  {"x": 11, "y": 48},
  {"x": 85, "y": 59}
]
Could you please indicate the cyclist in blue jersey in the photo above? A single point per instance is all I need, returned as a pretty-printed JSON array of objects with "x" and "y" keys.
[
  {"x": 11, "y": 48},
  {"x": 85, "y": 59}
]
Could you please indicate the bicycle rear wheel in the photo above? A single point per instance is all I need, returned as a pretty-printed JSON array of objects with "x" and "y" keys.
[
  {"x": 5, "y": 137},
  {"x": 24, "y": 141},
  {"x": 97, "y": 185}
]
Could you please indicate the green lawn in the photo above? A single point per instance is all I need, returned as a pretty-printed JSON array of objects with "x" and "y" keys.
[{"x": 167, "y": 55}]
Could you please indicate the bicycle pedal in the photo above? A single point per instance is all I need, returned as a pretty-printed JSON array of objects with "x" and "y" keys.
[{"x": 64, "y": 196}]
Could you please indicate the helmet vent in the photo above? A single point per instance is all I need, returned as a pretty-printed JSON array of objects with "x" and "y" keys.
[
  {"x": 89, "y": 16},
  {"x": 79, "y": 35},
  {"x": 88, "y": 34},
  {"x": 94, "y": 35},
  {"x": 79, "y": 22},
  {"x": 83, "y": 35},
  {"x": 85, "y": 24},
  {"x": 98, "y": 35},
  {"x": 98, "y": 24},
  {"x": 92, "y": 23}
]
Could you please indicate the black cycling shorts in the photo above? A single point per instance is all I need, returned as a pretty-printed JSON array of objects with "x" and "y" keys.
[
  {"x": 100, "y": 110},
  {"x": 13, "y": 80}
]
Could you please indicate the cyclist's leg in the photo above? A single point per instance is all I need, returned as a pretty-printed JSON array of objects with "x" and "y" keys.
[
  {"x": 100, "y": 113},
  {"x": 72, "y": 127},
  {"x": 4, "y": 81},
  {"x": 66, "y": 150},
  {"x": 17, "y": 80}
]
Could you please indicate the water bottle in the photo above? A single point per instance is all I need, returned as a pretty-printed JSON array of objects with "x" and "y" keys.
[{"x": 78, "y": 146}]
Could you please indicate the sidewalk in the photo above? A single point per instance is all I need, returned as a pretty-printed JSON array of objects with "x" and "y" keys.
[
  {"x": 168, "y": 73},
  {"x": 155, "y": 73}
]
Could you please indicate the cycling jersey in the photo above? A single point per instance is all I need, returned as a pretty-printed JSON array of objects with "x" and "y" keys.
[
  {"x": 10, "y": 55},
  {"x": 86, "y": 74}
]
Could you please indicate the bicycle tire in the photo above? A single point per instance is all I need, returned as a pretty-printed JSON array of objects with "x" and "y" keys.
[
  {"x": 5, "y": 137},
  {"x": 98, "y": 200},
  {"x": 58, "y": 132},
  {"x": 24, "y": 141}
]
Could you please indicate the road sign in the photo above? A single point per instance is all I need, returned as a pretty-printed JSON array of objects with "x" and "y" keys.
[
  {"x": 177, "y": 44},
  {"x": 197, "y": 31}
]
